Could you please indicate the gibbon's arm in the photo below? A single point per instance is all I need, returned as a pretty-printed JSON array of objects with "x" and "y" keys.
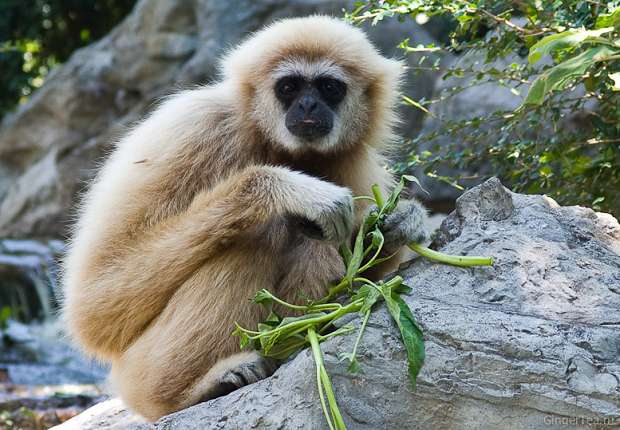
[{"x": 117, "y": 301}]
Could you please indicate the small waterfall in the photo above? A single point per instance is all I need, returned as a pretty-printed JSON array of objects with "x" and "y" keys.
[{"x": 28, "y": 278}]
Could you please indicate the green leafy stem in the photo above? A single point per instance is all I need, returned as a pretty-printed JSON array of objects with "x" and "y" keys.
[{"x": 279, "y": 337}]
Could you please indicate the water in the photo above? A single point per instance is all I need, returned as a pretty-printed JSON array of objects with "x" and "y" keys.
[{"x": 28, "y": 278}]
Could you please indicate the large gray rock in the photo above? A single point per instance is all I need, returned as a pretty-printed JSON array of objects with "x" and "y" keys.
[
  {"x": 532, "y": 342},
  {"x": 50, "y": 147}
]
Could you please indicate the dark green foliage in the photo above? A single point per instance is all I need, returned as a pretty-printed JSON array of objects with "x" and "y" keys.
[
  {"x": 35, "y": 35},
  {"x": 565, "y": 60},
  {"x": 5, "y": 313}
]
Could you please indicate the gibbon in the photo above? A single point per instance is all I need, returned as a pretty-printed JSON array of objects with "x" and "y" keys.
[{"x": 223, "y": 190}]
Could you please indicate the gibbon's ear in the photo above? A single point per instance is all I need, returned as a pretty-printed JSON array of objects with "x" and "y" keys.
[{"x": 383, "y": 96}]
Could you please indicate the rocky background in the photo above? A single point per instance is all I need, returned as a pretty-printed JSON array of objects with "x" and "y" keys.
[{"x": 545, "y": 316}]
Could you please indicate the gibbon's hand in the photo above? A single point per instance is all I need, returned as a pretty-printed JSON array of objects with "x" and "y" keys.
[
  {"x": 328, "y": 212},
  {"x": 405, "y": 225}
]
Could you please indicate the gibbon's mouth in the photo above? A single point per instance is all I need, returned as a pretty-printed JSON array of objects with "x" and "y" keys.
[{"x": 309, "y": 129}]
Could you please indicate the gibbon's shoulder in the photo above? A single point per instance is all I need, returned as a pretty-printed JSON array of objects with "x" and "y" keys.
[
  {"x": 178, "y": 124},
  {"x": 202, "y": 100}
]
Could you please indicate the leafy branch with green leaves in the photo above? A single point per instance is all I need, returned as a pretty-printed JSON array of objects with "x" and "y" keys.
[
  {"x": 562, "y": 57},
  {"x": 280, "y": 337}
]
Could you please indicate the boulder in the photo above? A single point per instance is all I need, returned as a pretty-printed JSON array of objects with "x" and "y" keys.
[
  {"x": 531, "y": 342},
  {"x": 51, "y": 146}
]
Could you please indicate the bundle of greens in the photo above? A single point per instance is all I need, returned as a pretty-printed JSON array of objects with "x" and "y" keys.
[{"x": 279, "y": 337}]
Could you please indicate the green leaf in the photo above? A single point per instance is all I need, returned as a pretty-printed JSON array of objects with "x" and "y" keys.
[
  {"x": 361, "y": 293},
  {"x": 273, "y": 319},
  {"x": 392, "y": 200},
  {"x": 262, "y": 327},
  {"x": 566, "y": 39},
  {"x": 286, "y": 347},
  {"x": 244, "y": 339},
  {"x": 410, "y": 332},
  {"x": 376, "y": 238},
  {"x": 611, "y": 19},
  {"x": 357, "y": 257},
  {"x": 370, "y": 299},
  {"x": 354, "y": 365},
  {"x": 5, "y": 313},
  {"x": 412, "y": 338},
  {"x": 402, "y": 289},
  {"x": 416, "y": 181},
  {"x": 394, "y": 197},
  {"x": 559, "y": 76},
  {"x": 345, "y": 253},
  {"x": 371, "y": 220},
  {"x": 263, "y": 297}
]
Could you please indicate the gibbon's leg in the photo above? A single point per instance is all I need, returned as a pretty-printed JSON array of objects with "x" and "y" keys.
[
  {"x": 112, "y": 303},
  {"x": 188, "y": 355},
  {"x": 192, "y": 337}
]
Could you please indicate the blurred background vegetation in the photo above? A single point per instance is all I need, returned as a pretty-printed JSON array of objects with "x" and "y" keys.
[
  {"x": 561, "y": 56},
  {"x": 536, "y": 148},
  {"x": 35, "y": 38}
]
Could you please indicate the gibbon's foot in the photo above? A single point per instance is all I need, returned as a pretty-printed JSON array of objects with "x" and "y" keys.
[
  {"x": 243, "y": 374},
  {"x": 405, "y": 225}
]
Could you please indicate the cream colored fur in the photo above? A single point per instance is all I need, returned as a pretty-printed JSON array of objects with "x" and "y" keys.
[{"x": 187, "y": 219}]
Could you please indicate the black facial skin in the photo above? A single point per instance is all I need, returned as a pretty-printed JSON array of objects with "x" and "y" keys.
[{"x": 310, "y": 105}]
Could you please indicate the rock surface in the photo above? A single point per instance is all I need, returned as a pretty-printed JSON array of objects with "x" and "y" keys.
[
  {"x": 50, "y": 146},
  {"x": 532, "y": 342}
]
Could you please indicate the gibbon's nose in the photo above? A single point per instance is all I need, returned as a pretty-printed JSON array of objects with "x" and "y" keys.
[{"x": 308, "y": 104}]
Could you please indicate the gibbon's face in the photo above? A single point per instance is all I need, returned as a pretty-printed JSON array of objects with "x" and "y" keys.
[{"x": 310, "y": 105}]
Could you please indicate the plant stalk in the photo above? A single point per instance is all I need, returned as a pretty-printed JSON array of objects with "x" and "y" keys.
[
  {"x": 454, "y": 260},
  {"x": 324, "y": 383}
]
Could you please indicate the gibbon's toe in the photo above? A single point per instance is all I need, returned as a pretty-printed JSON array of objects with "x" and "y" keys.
[
  {"x": 405, "y": 225},
  {"x": 242, "y": 375}
]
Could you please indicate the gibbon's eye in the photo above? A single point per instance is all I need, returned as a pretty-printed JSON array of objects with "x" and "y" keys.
[
  {"x": 332, "y": 90},
  {"x": 288, "y": 87}
]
